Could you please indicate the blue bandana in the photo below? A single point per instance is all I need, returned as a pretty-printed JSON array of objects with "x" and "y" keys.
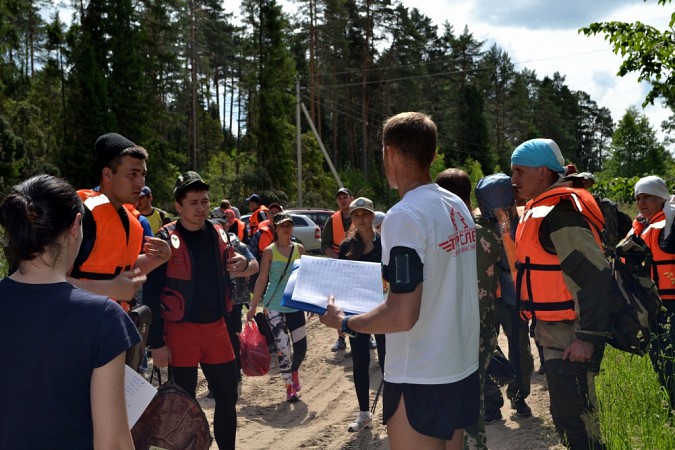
[{"x": 539, "y": 153}]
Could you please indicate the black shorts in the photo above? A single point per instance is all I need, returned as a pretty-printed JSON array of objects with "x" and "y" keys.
[{"x": 435, "y": 410}]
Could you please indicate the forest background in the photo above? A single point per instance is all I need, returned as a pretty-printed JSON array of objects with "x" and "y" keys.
[{"x": 161, "y": 72}]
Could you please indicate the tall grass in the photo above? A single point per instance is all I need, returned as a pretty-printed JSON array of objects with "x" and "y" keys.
[{"x": 633, "y": 406}]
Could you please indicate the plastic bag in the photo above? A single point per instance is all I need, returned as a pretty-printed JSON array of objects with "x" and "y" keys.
[{"x": 254, "y": 353}]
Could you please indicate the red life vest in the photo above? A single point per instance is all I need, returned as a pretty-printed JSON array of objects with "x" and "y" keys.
[
  {"x": 177, "y": 292},
  {"x": 241, "y": 226},
  {"x": 663, "y": 264},
  {"x": 545, "y": 292},
  {"x": 266, "y": 237},
  {"x": 113, "y": 251}
]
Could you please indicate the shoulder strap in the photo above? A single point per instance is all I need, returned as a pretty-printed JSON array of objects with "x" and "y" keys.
[{"x": 283, "y": 274}]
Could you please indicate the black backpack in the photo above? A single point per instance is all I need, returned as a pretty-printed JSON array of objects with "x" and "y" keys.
[{"x": 639, "y": 304}]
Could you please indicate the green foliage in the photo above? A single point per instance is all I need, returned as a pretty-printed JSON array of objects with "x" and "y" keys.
[
  {"x": 635, "y": 149},
  {"x": 617, "y": 189},
  {"x": 646, "y": 50},
  {"x": 633, "y": 408}
]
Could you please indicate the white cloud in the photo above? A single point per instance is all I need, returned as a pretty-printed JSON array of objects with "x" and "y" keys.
[{"x": 543, "y": 36}]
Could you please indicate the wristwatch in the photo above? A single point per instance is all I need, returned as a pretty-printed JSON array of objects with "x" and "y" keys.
[{"x": 345, "y": 328}]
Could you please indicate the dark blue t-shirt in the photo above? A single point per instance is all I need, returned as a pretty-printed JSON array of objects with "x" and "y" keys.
[{"x": 53, "y": 336}]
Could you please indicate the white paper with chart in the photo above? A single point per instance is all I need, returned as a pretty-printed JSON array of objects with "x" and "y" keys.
[{"x": 356, "y": 285}]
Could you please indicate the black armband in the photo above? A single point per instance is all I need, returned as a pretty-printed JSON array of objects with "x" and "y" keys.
[{"x": 404, "y": 271}]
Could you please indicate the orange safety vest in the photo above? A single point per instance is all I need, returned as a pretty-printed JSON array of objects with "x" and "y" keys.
[
  {"x": 338, "y": 230},
  {"x": 266, "y": 236},
  {"x": 539, "y": 282},
  {"x": 663, "y": 264},
  {"x": 113, "y": 252},
  {"x": 177, "y": 293},
  {"x": 253, "y": 221},
  {"x": 241, "y": 226}
]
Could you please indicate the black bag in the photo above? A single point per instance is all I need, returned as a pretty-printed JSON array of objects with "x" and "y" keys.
[
  {"x": 173, "y": 420},
  {"x": 264, "y": 328},
  {"x": 500, "y": 369},
  {"x": 141, "y": 316},
  {"x": 639, "y": 304}
]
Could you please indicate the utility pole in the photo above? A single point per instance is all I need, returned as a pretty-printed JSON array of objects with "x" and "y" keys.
[{"x": 298, "y": 138}]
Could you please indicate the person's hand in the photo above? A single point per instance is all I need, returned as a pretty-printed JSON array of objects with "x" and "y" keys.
[
  {"x": 333, "y": 316},
  {"x": 578, "y": 351},
  {"x": 126, "y": 284},
  {"x": 250, "y": 314},
  {"x": 156, "y": 248},
  {"x": 161, "y": 357},
  {"x": 238, "y": 263}
]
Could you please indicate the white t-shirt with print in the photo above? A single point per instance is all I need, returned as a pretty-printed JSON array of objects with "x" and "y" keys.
[{"x": 442, "y": 347}]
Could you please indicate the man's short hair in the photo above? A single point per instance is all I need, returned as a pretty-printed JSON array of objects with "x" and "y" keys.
[
  {"x": 456, "y": 181},
  {"x": 414, "y": 135},
  {"x": 225, "y": 204}
]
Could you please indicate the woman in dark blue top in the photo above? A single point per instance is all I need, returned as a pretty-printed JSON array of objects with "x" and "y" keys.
[{"x": 64, "y": 347}]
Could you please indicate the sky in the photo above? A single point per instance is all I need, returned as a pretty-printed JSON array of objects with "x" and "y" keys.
[{"x": 542, "y": 35}]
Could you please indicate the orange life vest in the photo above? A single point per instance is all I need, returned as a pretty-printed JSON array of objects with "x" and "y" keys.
[
  {"x": 339, "y": 231},
  {"x": 539, "y": 282},
  {"x": 663, "y": 264},
  {"x": 253, "y": 220},
  {"x": 177, "y": 292},
  {"x": 241, "y": 226},
  {"x": 266, "y": 236},
  {"x": 113, "y": 251}
]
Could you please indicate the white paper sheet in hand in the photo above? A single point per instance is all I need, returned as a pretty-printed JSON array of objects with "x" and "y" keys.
[
  {"x": 356, "y": 285},
  {"x": 138, "y": 394}
]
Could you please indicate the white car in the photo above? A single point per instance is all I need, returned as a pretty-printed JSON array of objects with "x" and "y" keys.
[{"x": 305, "y": 230}]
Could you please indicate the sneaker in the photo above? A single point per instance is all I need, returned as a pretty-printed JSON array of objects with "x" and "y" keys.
[
  {"x": 364, "y": 420},
  {"x": 291, "y": 395},
  {"x": 340, "y": 344},
  {"x": 522, "y": 410},
  {"x": 492, "y": 416},
  {"x": 296, "y": 381},
  {"x": 373, "y": 343}
]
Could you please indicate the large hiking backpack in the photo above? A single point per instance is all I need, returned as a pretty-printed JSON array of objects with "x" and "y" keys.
[
  {"x": 639, "y": 304},
  {"x": 174, "y": 421}
]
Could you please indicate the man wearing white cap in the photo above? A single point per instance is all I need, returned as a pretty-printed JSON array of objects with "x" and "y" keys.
[
  {"x": 654, "y": 225},
  {"x": 564, "y": 284}
]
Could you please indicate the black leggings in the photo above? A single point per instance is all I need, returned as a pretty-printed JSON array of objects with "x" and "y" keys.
[
  {"x": 223, "y": 380},
  {"x": 361, "y": 365}
]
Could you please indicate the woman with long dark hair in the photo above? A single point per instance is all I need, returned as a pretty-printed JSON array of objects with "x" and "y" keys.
[
  {"x": 363, "y": 244},
  {"x": 64, "y": 347}
]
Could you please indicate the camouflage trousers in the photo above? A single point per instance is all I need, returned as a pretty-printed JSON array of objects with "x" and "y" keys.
[
  {"x": 474, "y": 435},
  {"x": 520, "y": 356}
]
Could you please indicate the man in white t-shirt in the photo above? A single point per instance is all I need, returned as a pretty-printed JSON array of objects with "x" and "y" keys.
[{"x": 430, "y": 316}]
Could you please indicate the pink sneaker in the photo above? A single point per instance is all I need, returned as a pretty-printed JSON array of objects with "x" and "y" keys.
[
  {"x": 291, "y": 395},
  {"x": 296, "y": 381}
]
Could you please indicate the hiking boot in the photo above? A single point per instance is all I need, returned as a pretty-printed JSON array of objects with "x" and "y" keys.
[
  {"x": 363, "y": 420},
  {"x": 522, "y": 410},
  {"x": 296, "y": 381},
  {"x": 340, "y": 344},
  {"x": 372, "y": 343},
  {"x": 291, "y": 395},
  {"x": 492, "y": 416}
]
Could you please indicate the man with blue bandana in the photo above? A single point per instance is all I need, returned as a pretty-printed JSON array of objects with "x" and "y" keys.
[{"x": 564, "y": 285}]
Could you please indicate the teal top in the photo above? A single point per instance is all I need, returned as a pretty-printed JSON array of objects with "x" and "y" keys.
[{"x": 276, "y": 284}]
